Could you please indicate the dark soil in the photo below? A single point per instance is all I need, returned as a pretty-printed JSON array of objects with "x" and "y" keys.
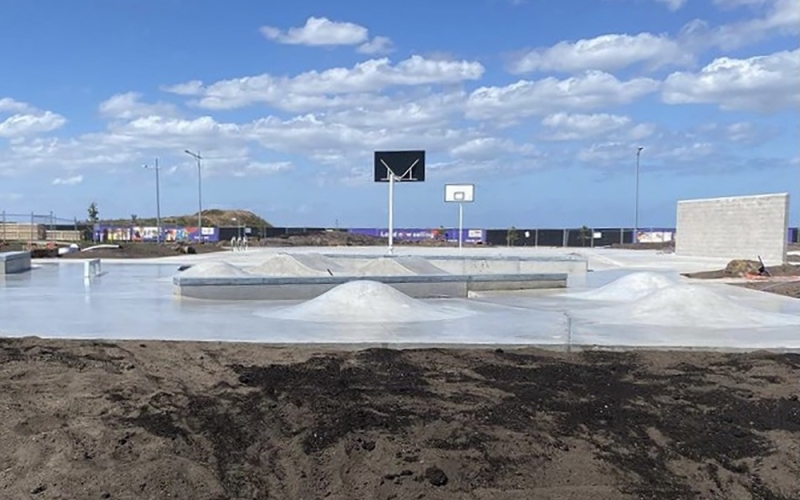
[
  {"x": 783, "y": 271},
  {"x": 142, "y": 251},
  {"x": 341, "y": 238},
  {"x": 665, "y": 246},
  {"x": 790, "y": 289},
  {"x": 211, "y": 421}
]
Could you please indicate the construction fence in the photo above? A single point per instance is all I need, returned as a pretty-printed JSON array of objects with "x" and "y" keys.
[{"x": 32, "y": 227}]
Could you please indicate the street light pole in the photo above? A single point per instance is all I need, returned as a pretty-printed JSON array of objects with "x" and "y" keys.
[
  {"x": 158, "y": 201},
  {"x": 198, "y": 158},
  {"x": 636, "y": 203}
]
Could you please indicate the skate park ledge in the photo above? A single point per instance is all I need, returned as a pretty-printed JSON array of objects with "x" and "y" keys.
[
  {"x": 305, "y": 288},
  {"x": 14, "y": 262},
  {"x": 575, "y": 265}
]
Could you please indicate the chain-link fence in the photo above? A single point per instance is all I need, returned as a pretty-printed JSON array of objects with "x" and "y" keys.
[{"x": 33, "y": 227}]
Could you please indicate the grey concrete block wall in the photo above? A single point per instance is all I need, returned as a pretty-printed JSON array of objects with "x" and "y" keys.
[
  {"x": 738, "y": 227},
  {"x": 14, "y": 262},
  {"x": 304, "y": 288}
]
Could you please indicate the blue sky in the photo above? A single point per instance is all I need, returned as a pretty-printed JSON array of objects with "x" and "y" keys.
[{"x": 540, "y": 104}]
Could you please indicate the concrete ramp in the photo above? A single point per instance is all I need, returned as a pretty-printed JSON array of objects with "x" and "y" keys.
[
  {"x": 284, "y": 264},
  {"x": 400, "y": 266}
]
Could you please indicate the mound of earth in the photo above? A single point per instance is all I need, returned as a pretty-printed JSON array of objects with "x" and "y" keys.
[
  {"x": 365, "y": 301},
  {"x": 323, "y": 239},
  {"x": 630, "y": 287},
  {"x": 143, "y": 251},
  {"x": 221, "y": 421},
  {"x": 739, "y": 268},
  {"x": 284, "y": 264},
  {"x": 399, "y": 266},
  {"x": 690, "y": 306},
  {"x": 214, "y": 270}
]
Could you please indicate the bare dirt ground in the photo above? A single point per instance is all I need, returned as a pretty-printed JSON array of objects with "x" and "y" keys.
[
  {"x": 142, "y": 251},
  {"x": 209, "y": 421},
  {"x": 782, "y": 280},
  {"x": 341, "y": 238}
]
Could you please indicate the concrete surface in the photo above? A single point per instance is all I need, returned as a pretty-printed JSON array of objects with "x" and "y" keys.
[
  {"x": 739, "y": 227},
  {"x": 134, "y": 300},
  {"x": 473, "y": 262},
  {"x": 14, "y": 262},
  {"x": 598, "y": 258},
  {"x": 308, "y": 287}
]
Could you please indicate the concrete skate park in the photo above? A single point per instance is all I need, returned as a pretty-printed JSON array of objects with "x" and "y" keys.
[{"x": 548, "y": 297}]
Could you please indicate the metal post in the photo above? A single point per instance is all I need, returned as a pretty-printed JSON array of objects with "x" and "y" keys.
[
  {"x": 33, "y": 219},
  {"x": 391, "y": 212},
  {"x": 158, "y": 200},
  {"x": 636, "y": 203},
  {"x": 536, "y": 237},
  {"x": 460, "y": 226},
  {"x": 158, "y": 205},
  {"x": 4, "y": 226},
  {"x": 198, "y": 158}
]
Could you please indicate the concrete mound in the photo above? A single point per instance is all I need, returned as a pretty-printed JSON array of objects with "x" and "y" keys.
[
  {"x": 285, "y": 264},
  {"x": 365, "y": 301},
  {"x": 214, "y": 270},
  {"x": 690, "y": 306},
  {"x": 399, "y": 266},
  {"x": 628, "y": 288}
]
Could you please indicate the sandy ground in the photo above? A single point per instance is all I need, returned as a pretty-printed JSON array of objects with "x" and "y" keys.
[
  {"x": 782, "y": 280},
  {"x": 207, "y": 421}
]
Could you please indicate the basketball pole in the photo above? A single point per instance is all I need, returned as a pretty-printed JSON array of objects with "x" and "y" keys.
[
  {"x": 391, "y": 212},
  {"x": 460, "y": 226}
]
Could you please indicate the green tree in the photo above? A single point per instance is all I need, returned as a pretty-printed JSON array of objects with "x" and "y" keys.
[
  {"x": 512, "y": 236},
  {"x": 584, "y": 234},
  {"x": 94, "y": 212}
]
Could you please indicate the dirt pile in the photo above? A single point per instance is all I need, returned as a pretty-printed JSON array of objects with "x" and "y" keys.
[
  {"x": 744, "y": 268},
  {"x": 144, "y": 251},
  {"x": 208, "y": 421},
  {"x": 323, "y": 239}
]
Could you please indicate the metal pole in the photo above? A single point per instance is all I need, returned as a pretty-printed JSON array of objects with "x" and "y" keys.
[
  {"x": 391, "y": 212},
  {"x": 158, "y": 205},
  {"x": 199, "y": 198},
  {"x": 4, "y": 225},
  {"x": 636, "y": 203},
  {"x": 198, "y": 158},
  {"x": 460, "y": 225},
  {"x": 33, "y": 219}
]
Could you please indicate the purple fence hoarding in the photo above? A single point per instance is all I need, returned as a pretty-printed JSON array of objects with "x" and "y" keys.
[
  {"x": 470, "y": 236},
  {"x": 114, "y": 234}
]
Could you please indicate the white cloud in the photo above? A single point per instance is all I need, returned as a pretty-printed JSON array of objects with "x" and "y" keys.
[
  {"x": 592, "y": 90},
  {"x": 263, "y": 168},
  {"x": 776, "y": 18},
  {"x": 319, "y": 31},
  {"x": 68, "y": 181},
  {"x": 612, "y": 52},
  {"x": 673, "y": 5},
  {"x": 604, "y": 53},
  {"x": 319, "y": 89},
  {"x": 35, "y": 122},
  {"x": 378, "y": 45},
  {"x": 8, "y": 105},
  {"x": 762, "y": 84},
  {"x": 576, "y": 127},
  {"x": 129, "y": 105}
]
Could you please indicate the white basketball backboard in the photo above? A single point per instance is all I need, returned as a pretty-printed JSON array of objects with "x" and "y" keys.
[{"x": 459, "y": 193}]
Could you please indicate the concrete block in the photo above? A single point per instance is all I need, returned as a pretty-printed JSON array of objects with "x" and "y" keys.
[
  {"x": 14, "y": 262},
  {"x": 575, "y": 265},
  {"x": 739, "y": 227},
  {"x": 305, "y": 287}
]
